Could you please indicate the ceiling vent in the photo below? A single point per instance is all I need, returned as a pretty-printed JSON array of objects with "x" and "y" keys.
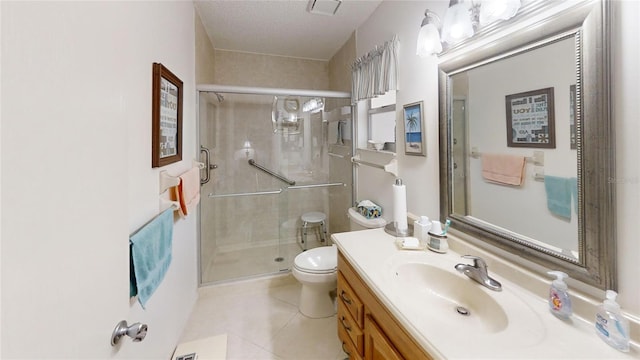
[{"x": 323, "y": 7}]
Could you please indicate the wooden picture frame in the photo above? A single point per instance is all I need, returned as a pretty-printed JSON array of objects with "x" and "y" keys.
[
  {"x": 166, "y": 117},
  {"x": 414, "y": 134},
  {"x": 530, "y": 119}
]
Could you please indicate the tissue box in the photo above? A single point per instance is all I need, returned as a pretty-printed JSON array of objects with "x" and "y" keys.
[{"x": 369, "y": 210}]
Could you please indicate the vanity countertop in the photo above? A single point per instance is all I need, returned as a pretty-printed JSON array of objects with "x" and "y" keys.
[{"x": 534, "y": 333}]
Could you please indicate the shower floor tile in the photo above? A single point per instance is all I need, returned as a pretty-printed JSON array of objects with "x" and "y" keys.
[
  {"x": 262, "y": 321},
  {"x": 252, "y": 261}
]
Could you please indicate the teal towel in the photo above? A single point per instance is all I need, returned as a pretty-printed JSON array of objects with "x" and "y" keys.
[
  {"x": 558, "y": 195},
  {"x": 150, "y": 256},
  {"x": 574, "y": 192}
]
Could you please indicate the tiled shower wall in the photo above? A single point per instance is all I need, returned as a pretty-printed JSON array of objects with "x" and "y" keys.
[{"x": 241, "y": 222}]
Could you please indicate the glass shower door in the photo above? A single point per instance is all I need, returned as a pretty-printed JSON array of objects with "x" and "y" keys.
[
  {"x": 263, "y": 182},
  {"x": 241, "y": 205}
]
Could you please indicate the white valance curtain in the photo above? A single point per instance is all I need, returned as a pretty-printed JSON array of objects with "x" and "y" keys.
[{"x": 376, "y": 72}]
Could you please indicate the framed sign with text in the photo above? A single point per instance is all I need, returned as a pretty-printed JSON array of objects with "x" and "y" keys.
[
  {"x": 166, "y": 116},
  {"x": 530, "y": 119}
]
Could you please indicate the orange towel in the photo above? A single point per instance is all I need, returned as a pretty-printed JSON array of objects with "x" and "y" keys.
[
  {"x": 503, "y": 169},
  {"x": 188, "y": 191}
]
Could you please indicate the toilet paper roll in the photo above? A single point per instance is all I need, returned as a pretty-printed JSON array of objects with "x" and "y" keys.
[{"x": 400, "y": 207}]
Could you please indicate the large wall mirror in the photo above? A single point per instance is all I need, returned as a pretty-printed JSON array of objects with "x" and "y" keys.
[{"x": 527, "y": 141}]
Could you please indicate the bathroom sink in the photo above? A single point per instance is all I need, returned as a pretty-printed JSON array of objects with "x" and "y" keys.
[
  {"x": 452, "y": 297},
  {"x": 447, "y": 302}
]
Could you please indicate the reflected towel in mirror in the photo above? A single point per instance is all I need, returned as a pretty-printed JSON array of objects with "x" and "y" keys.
[
  {"x": 503, "y": 169},
  {"x": 558, "y": 195}
]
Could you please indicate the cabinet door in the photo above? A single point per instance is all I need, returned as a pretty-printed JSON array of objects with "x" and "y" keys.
[
  {"x": 377, "y": 346},
  {"x": 349, "y": 326},
  {"x": 351, "y": 301}
]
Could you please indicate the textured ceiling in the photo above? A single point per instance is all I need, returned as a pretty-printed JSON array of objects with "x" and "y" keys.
[{"x": 281, "y": 27}]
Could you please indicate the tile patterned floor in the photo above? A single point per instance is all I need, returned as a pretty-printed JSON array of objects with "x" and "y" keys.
[{"x": 262, "y": 321}]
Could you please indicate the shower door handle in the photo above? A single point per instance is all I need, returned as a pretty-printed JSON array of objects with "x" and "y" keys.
[{"x": 207, "y": 165}]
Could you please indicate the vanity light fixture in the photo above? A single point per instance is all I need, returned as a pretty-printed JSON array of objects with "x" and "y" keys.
[
  {"x": 456, "y": 25},
  {"x": 464, "y": 18},
  {"x": 429, "y": 37},
  {"x": 493, "y": 10}
]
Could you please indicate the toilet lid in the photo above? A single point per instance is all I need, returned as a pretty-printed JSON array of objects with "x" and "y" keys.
[{"x": 320, "y": 260}]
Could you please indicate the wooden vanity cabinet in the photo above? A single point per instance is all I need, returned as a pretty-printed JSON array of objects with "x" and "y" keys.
[{"x": 365, "y": 327}]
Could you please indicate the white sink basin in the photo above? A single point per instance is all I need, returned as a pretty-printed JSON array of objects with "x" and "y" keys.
[
  {"x": 448, "y": 302},
  {"x": 451, "y": 297}
]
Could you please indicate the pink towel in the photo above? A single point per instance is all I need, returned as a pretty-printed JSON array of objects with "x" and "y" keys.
[
  {"x": 503, "y": 169},
  {"x": 188, "y": 191}
]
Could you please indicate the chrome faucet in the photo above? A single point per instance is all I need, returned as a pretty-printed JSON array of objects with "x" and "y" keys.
[{"x": 478, "y": 272}]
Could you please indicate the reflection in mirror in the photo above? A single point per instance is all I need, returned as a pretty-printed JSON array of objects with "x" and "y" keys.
[
  {"x": 381, "y": 125},
  {"x": 527, "y": 142},
  {"x": 478, "y": 124}
]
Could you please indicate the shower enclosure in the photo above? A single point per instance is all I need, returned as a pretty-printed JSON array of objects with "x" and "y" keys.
[{"x": 271, "y": 155}]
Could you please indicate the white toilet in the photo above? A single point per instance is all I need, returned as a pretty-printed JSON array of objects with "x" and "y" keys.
[{"x": 316, "y": 269}]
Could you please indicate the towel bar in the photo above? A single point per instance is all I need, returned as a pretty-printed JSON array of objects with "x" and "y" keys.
[
  {"x": 391, "y": 167},
  {"x": 536, "y": 159},
  {"x": 167, "y": 181},
  {"x": 172, "y": 204}
]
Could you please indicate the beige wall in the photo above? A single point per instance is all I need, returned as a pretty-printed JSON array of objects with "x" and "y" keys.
[
  {"x": 340, "y": 66},
  {"x": 247, "y": 69},
  {"x": 205, "y": 54}
]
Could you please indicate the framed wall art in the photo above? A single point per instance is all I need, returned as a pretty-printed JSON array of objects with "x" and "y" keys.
[
  {"x": 530, "y": 119},
  {"x": 166, "y": 117},
  {"x": 414, "y": 139}
]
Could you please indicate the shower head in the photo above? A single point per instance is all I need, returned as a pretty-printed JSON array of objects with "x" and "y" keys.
[{"x": 219, "y": 96}]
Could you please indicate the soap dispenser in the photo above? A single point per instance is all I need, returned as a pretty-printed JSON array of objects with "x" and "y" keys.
[
  {"x": 559, "y": 301},
  {"x": 421, "y": 229},
  {"x": 611, "y": 326}
]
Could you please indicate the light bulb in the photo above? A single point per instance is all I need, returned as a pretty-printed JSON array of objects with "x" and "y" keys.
[
  {"x": 428, "y": 41},
  {"x": 456, "y": 25},
  {"x": 492, "y": 10}
]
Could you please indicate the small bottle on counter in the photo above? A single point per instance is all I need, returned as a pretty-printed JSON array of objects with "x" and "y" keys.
[
  {"x": 611, "y": 326},
  {"x": 559, "y": 300}
]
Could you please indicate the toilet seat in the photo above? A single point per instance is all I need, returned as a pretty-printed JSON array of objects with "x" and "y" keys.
[{"x": 320, "y": 260}]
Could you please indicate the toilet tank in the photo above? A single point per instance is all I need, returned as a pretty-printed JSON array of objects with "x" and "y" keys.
[{"x": 359, "y": 222}]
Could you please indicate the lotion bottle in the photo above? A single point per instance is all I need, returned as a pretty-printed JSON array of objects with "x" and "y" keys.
[
  {"x": 611, "y": 326},
  {"x": 559, "y": 300}
]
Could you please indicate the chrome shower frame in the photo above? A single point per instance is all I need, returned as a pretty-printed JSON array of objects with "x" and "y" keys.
[{"x": 219, "y": 90}]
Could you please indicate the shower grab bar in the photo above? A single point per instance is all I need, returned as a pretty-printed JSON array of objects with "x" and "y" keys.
[
  {"x": 315, "y": 186},
  {"x": 272, "y": 192},
  {"x": 271, "y": 172},
  {"x": 336, "y": 155}
]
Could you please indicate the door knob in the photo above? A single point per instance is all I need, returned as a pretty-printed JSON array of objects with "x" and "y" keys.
[{"x": 136, "y": 331}]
